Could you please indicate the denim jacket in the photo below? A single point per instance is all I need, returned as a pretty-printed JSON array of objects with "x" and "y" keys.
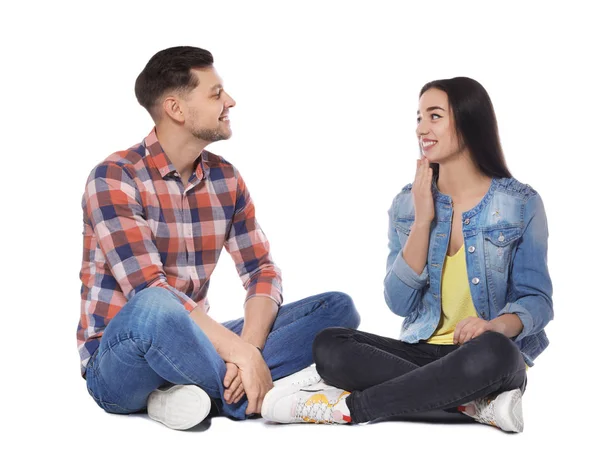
[{"x": 506, "y": 241}]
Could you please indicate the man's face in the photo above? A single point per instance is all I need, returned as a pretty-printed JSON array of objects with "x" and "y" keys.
[{"x": 206, "y": 107}]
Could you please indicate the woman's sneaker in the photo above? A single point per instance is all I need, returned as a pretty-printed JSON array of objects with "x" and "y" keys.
[
  {"x": 319, "y": 406},
  {"x": 504, "y": 411},
  {"x": 179, "y": 407}
]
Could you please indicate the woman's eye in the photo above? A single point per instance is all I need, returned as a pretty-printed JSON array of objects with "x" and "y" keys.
[{"x": 435, "y": 115}]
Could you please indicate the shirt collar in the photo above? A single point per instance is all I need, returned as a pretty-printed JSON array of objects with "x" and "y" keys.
[{"x": 162, "y": 162}]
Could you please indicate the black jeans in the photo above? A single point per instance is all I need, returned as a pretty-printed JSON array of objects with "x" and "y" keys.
[{"x": 387, "y": 377}]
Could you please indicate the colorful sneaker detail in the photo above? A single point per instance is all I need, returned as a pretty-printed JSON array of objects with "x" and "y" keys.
[
  {"x": 319, "y": 406},
  {"x": 504, "y": 411}
]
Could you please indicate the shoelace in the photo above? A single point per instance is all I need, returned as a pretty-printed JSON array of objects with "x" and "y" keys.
[
  {"x": 314, "y": 412},
  {"x": 307, "y": 381}
]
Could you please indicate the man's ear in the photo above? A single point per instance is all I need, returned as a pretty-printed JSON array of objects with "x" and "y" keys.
[{"x": 172, "y": 108}]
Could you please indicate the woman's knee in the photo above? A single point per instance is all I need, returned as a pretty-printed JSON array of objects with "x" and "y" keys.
[
  {"x": 497, "y": 352},
  {"x": 328, "y": 347}
]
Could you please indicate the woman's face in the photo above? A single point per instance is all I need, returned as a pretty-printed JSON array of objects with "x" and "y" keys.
[{"x": 435, "y": 127}]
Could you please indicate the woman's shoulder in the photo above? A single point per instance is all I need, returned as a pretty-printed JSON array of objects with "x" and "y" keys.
[
  {"x": 403, "y": 202},
  {"x": 405, "y": 194},
  {"x": 513, "y": 188}
]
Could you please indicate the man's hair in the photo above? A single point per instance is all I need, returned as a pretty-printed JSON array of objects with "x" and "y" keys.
[{"x": 169, "y": 70}]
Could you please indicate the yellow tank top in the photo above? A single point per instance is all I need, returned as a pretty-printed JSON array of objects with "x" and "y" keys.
[{"x": 457, "y": 303}]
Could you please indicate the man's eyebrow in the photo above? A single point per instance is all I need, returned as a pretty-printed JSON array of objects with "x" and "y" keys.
[{"x": 430, "y": 109}]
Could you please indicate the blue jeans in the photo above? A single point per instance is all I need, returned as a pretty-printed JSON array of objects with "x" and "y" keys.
[{"x": 153, "y": 341}]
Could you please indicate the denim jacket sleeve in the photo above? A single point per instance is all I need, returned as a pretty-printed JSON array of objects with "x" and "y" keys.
[
  {"x": 529, "y": 285},
  {"x": 403, "y": 287}
]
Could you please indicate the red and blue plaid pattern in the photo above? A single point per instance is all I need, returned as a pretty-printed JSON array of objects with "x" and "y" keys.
[{"x": 143, "y": 228}]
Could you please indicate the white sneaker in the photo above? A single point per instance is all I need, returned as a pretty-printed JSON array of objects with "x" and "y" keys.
[
  {"x": 302, "y": 378},
  {"x": 505, "y": 411},
  {"x": 320, "y": 406},
  {"x": 179, "y": 407}
]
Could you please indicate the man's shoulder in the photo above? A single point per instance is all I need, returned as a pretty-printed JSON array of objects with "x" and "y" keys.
[{"x": 119, "y": 161}]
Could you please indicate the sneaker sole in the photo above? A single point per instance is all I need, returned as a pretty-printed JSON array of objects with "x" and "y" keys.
[
  {"x": 509, "y": 411},
  {"x": 179, "y": 407}
]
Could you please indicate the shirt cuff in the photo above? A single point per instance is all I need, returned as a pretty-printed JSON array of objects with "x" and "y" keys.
[{"x": 265, "y": 288}]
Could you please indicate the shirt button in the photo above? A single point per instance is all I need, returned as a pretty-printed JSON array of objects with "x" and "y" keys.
[
  {"x": 475, "y": 280},
  {"x": 467, "y": 221},
  {"x": 501, "y": 237},
  {"x": 471, "y": 249},
  {"x": 483, "y": 314}
]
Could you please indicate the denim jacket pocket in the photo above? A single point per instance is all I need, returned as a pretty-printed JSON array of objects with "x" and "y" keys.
[
  {"x": 403, "y": 227},
  {"x": 499, "y": 244}
]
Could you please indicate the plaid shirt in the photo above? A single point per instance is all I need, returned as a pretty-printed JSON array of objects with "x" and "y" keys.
[{"x": 142, "y": 229}]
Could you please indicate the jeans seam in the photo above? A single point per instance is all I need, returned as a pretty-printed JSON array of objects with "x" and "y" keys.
[
  {"x": 145, "y": 341},
  {"x": 312, "y": 311},
  {"x": 176, "y": 367}
]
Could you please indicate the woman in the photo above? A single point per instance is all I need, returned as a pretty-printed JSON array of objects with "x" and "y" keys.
[{"x": 467, "y": 269}]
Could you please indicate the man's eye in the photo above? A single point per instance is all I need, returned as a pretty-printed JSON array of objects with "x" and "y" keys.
[{"x": 218, "y": 95}]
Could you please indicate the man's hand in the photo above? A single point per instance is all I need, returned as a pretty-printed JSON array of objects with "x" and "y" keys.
[
  {"x": 470, "y": 328},
  {"x": 256, "y": 379},
  {"x": 234, "y": 389}
]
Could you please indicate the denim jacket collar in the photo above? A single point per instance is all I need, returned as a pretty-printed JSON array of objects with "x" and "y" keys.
[{"x": 444, "y": 198}]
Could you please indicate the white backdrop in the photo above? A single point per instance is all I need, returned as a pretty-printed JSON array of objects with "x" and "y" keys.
[{"x": 324, "y": 136}]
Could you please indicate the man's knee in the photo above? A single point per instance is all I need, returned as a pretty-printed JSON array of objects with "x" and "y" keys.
[
  {"x": 153, "y": 307},
  {"x": 344, "y": 309}
]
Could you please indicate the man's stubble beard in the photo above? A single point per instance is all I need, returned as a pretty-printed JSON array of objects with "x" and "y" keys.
[{"x": 211, "y": 135}]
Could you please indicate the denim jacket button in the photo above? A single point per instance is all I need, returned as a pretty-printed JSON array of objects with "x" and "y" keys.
[
  {"x": 471, "y": 249},
  {"x": 501, "y": 237},
  {"x": 475, "y": 280},
  {"x": 467, "y": 221},
  {"x": 483, "y": 314}
]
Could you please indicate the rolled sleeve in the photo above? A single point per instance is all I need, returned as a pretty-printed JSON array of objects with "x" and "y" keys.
[
  {"x": 249, "y": 248},
  {"x": 530, "y": 287},
  {"x": 403, "y": 287},
  {"x": 407, "y": 275}
]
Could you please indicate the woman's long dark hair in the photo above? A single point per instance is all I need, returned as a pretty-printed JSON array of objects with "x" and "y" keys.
[{"x": 475, "y": 121}]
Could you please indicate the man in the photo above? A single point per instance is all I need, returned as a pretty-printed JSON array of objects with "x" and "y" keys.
[{"x": 156, "y": 217}]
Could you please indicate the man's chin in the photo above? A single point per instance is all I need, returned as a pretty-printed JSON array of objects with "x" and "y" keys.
[{"x": 213, "y": 136}]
